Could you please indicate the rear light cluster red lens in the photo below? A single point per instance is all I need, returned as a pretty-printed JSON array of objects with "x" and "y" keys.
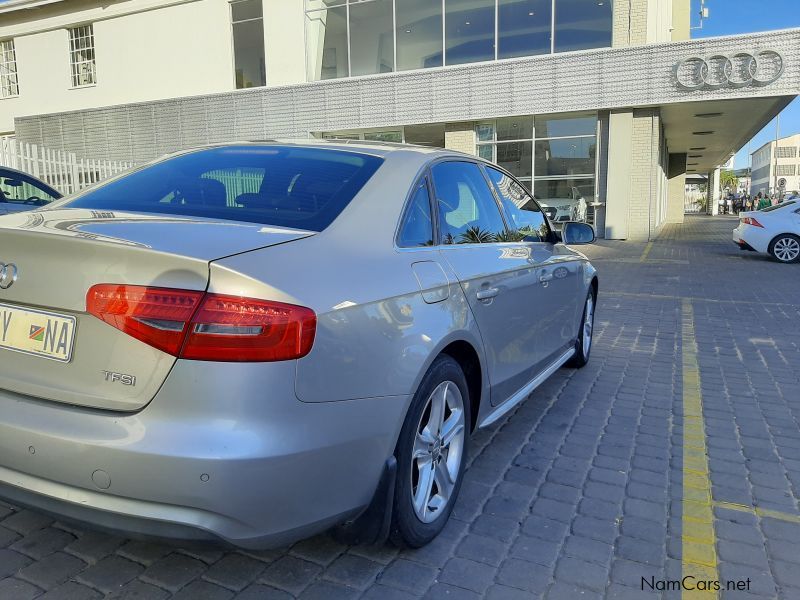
[
  {"x": 202, "y": 326},
  {"x": 752, "y": 221}
]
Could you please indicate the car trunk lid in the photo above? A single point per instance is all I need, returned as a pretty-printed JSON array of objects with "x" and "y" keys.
[{"x": 58, "y": 255}]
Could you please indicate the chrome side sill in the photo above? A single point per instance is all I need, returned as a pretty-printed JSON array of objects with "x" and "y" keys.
[{"x": 526, "y": 389}]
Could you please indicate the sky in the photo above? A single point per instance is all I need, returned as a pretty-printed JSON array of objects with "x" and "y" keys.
[{"x": 728, "y": 17}]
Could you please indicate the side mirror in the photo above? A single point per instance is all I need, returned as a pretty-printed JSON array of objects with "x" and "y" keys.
[{"x": 575, "y": 233}]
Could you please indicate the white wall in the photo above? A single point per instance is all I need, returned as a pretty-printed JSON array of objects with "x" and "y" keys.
[
  {"x": 145, "y": 50},
  {"x": 284, "y": 41}
]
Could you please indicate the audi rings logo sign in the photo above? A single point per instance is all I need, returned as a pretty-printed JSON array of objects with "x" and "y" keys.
[
  {"x": 736, "y": 70},
  {"x": 8, "y": 275}
]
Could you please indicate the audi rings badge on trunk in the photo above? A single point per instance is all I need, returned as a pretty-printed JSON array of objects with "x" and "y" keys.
[{"x": 255, "y": 342}]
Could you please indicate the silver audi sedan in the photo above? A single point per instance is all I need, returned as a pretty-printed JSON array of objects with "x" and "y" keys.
[{"x": 256, "y": 342}]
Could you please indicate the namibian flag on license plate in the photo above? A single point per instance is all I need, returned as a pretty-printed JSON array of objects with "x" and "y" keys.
[{"x": 37, "y": 333}]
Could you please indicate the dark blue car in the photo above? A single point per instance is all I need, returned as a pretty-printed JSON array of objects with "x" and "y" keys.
[{"x": 20, "y": 191}]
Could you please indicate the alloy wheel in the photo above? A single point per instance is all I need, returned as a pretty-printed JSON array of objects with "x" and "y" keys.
[
  {"x": 786, "y": 249},
  {"x": 437, "y": 452},
  {"x": 588, "y": 325}
]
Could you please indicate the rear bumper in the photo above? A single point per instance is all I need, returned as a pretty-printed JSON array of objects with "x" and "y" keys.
[
  {"x": 138, "y": 518},
  {"x": 224, "y": 451},
  {"x": 748, "y": 237}
]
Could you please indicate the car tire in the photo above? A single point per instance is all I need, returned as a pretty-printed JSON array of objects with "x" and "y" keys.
[
  {"x": 431, "y": 455},
  {"x": 785, "y": 248},
  {"x": 583, "y": 344}
]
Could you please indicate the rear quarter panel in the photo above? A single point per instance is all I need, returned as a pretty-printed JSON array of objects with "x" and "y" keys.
[{"x": 375, "y": 333}]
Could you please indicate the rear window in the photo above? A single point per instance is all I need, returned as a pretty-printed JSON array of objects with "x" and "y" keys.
[
  {"x": 783, "y": 204},
  {"x": 287, "y": 186}
]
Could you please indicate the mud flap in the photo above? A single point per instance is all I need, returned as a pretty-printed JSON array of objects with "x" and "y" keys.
[{"x": 373, "y": 524}]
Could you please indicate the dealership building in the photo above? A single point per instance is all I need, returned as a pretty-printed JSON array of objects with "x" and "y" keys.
[{"x": 601, "y": 107}]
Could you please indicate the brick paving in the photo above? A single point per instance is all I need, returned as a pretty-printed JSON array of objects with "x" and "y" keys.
[{"x": 577, "y": 494}]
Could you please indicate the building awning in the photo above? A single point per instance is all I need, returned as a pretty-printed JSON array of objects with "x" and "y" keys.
[{"x": 710, "y": 131}]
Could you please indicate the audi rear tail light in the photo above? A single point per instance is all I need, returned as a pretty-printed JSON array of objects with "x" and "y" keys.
[
  {"x": 156, "y": 316},
  {"x": 202, "y": 326},
  {"x": 243, "y": 329},
  {"x": 752, "y": 221}
]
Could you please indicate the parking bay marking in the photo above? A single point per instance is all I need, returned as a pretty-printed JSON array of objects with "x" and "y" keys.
[
  {"x": 766, "y": 513},
  {"x": 696, "y": 299},
  {"x": 698, "y": 539}
]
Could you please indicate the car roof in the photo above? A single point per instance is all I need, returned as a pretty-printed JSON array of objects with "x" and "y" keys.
[
  {"x": 376, "y": 148},
  {"x": 16, "y": 171}
]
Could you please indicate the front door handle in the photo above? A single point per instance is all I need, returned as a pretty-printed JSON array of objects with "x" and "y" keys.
[
  {"x": 545, "y": 277},
  {"x": 487, "y": 293}
]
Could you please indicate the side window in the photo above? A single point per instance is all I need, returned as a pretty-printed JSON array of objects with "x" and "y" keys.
[
  {"x": 21, "y": 190},
  {"x": 468, "y": 213},
  {"x": 527, "y": 218},
  {"x": 417, "y": 227}
]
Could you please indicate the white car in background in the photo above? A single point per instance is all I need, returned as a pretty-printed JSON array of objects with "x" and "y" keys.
[
  {"x": 565, "y": 209},
  {"x": 774, "y": 230}
]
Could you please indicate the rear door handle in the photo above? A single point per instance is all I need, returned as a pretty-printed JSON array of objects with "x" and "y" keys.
[{"x": 487, "y": 293}]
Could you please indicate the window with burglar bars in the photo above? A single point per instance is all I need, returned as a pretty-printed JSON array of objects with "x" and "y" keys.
[
  {"x": 81, "y": 54},
  {"x": 9, "y": 84}
]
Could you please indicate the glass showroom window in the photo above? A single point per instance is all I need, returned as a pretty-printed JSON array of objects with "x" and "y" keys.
[
  {"x": 327, "y": 54},
  {"x": 248, "y": 43},
  {"x": 582, "y": 24},
  {"x": 9, "y": 83},
  {"x": 371, "y": 37},
  {"x": 553, "y": 155},
  {"x": 419, "y": 34},
  {"x": 364, "y": 37},
  {"x": 524, "y": 27},
  {"x": 469, "y": 31},
  {"x": 81, "y": 54}
]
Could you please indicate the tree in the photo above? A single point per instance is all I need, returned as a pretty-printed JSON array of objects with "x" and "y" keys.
[{"x": 729, "y": 181}]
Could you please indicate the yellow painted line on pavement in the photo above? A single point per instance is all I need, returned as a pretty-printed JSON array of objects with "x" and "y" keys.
[
  {"x": 698, "y": 539},
  {"x": 759, "y": 512},
  {"x": 646, "y": 252}
]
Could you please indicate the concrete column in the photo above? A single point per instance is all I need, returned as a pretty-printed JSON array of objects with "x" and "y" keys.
[
  {"x": 618, "y": 187},
  {"x": 635, "y": 174},
  {"x": 632, "y": 22},
  {"x": 676, "y": 187},
  {"x": 712, "y": 193},
  {"x": 460, "y": 137}
]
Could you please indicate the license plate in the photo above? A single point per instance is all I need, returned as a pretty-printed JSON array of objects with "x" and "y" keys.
[{"x": 36, "y": 332}]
